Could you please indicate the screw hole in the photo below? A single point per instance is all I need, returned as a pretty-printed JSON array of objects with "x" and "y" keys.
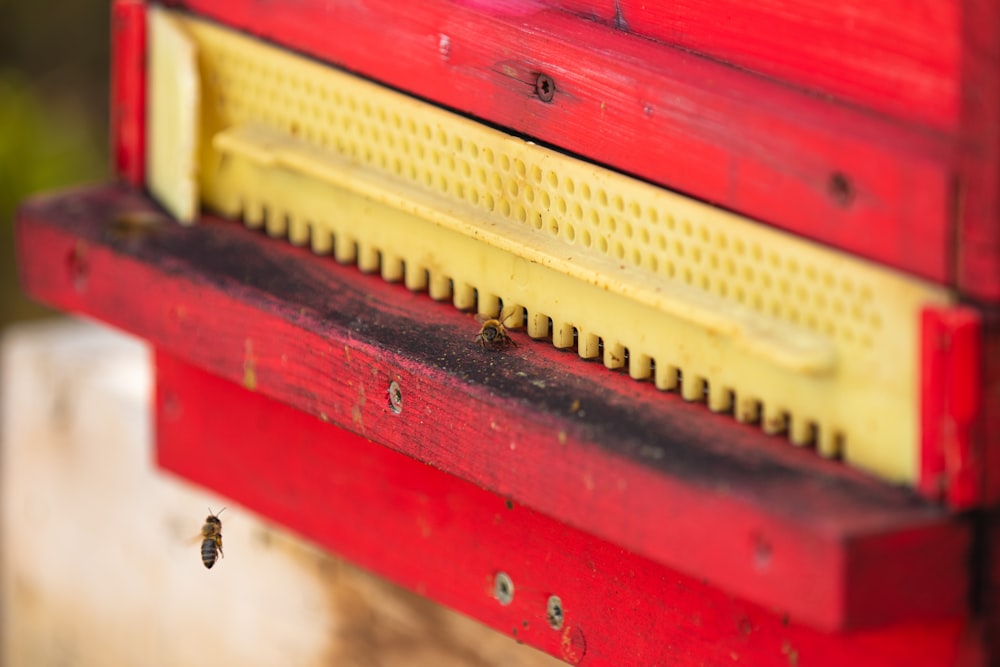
[
  {"x": 841, "y": 189},
  {"x": 503, "y": 588},
  {"x": 395, "y": 397},
  {"x": 545, "y": 87},
  {"x": 554, "y": 612}
]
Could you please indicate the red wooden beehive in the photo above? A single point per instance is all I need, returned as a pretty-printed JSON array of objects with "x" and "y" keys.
[{"x": 493, "y": 481}]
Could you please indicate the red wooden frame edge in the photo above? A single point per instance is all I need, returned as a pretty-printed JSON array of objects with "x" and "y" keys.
[
  {"x": 128, "y": 90},
  {"x": 447, "y": 539},
  {"x": 952, "y": 465}
]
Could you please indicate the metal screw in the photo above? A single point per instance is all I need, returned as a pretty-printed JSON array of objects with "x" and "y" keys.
[
  {"x": 503, "y": 588},
  {"x": 840, "y": 188},
  {"x": 545, "y": 87},
  {"x": 554, "y": 612},
  {"x": 395, "y": 397}
]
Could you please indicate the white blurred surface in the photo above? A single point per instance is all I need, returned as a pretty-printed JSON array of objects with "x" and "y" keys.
[{"x": 99, "y": 565}]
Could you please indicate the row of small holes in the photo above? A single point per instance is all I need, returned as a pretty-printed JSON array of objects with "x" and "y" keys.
[{"x": 510, "y": 187}]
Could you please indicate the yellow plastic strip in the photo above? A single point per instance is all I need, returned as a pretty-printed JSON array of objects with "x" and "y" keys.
[
  {"x": 807, "y": 340},
  {"x": 173, "y": 112}
]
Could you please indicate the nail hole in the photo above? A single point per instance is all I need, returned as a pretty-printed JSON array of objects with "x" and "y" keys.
[{"x": 841, "y": 189}]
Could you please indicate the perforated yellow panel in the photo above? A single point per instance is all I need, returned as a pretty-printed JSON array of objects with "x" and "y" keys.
[{"x": 803, "y": 338}]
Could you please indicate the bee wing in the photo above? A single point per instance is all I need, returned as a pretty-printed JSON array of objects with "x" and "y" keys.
[{"x": 196, "y": 539}]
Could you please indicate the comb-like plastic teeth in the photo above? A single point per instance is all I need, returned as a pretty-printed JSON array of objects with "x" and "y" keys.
[
  {"x": 720, "y": 399},
  {"x": 345, "y": 251},
  {"x": 588, "y": 345},
  {"x": 747, "y": 410},
  {"x": 439, "y": 287},
  {"x": 488, "y": 305},
  {"x": 415, "y": 278},
  {"x": 514, "y": 315},
  {"x": 801, "y": 431},
  {"x": 298, "y": 231},
  {"x": 639, "y": 366},
  {"x": 829, "y": 443},
  {"x": 667, "y": 378},
  {"x": 775, "y": 419},
  {"x": 463, "y": 296},
  {"x": 614, "y": 355},
  {"x": 562, "y": 335},
  {"x": 692, "y": 388},
  {"x": 538, "y": 325},
  {"x": 276, "y": 224},
  {"x": 392, "y": 268},
  {"x": 799, "y": 338},
  {"x": 253, "y": 214},
  {"x": 321, "y": 241},
  {"x": 368, "y": 259}
]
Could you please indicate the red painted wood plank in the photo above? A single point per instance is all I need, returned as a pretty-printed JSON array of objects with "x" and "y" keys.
[
  {"x": 896, "y": 56},
  {"x": 447, "y": 539},
  {"x": 838, "y": 174},
  {"x": 590, "y": 447},
  {"x": 128, "y": 90}
]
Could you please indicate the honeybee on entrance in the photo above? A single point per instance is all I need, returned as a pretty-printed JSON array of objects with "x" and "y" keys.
[
  {"x": 493, "y": 334},
  {"x": 211, "y": 538}
]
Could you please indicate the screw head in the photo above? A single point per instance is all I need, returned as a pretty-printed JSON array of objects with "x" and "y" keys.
[
  {"x": 503, "y": 588},
  {"x": 545, "y": 87},
  {"x": 554, "y": 612},
  {"x": 395, "y": 397}
]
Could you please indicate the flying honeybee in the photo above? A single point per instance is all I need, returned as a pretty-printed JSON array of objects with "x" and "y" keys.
[
  {"x": 493, "y": 333},
  {"x": 211, "y": 539}
]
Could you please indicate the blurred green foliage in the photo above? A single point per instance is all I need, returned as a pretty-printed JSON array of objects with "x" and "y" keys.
[{"x": 53, "y": 110}]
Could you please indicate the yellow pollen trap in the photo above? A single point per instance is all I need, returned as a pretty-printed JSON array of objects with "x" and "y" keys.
[{"x": 807, "y": 340}]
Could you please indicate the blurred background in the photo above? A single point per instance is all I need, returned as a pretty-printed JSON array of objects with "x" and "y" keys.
[{"x": 54, "y": 61}]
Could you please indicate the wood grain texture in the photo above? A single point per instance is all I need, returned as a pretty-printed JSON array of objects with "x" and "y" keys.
[
  {"x": 643, "y": 469},
  {"x": 898, "y": 57},
  {"x": 842, "y": 175},
  {"x": 447, "y": 539}
]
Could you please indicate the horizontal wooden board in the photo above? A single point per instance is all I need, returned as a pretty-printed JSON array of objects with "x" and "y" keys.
[
  {"x": 449, "y": 539},
  {"x": 590, "y": 447}
]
